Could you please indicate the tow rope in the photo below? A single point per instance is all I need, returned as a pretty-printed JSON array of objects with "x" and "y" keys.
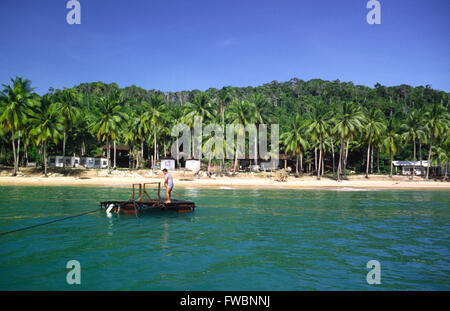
[{"x": 49, "y": 222}]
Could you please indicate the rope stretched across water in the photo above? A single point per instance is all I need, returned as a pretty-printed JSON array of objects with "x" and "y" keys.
[{"x": 49, "y": 222}]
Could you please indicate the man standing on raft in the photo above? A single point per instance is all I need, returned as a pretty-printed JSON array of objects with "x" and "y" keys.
[{"x": 168, "y": 183}]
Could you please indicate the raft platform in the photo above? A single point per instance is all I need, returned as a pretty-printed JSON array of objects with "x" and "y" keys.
[{"x": 141, "y": 202}]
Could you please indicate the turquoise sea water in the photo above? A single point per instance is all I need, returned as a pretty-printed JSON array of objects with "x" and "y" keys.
[{"x": 235, "y": 240}]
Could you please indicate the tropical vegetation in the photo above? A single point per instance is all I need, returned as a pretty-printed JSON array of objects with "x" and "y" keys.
[{"x": 328, "y": 128}]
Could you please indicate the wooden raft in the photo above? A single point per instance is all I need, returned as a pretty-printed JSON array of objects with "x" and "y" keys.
[{"x": 142, "y": 203}]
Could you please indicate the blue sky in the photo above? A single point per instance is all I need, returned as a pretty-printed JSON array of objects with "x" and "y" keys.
[{"x": 173, "y": 45}]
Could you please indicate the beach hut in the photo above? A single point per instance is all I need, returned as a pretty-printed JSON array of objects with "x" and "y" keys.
[
  {"x": 408, "y": 166},
  {"x": 168, "y": 164},
  {"x": 72, "y": 161},
  {"x": 122, "y": 155},
  {"x": 55, "y": 161},
  {"x": 101, "y": 162},
  {"x": 192, "y": 165},
  {"x": 58, "y": 161},
  {"x": 88, "y": 162},
  {"x": 268, "y": 166}
]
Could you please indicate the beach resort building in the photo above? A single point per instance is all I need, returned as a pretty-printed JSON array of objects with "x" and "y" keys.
[
  {"x": 101, "y": 162},
  {"x": 58, "y": 161},
  {"x": 168, "y": 164},
  {"x": 88, "y": 162},
  {"x": 122, "y": 155},
  {"x": 407, "y": 167},
  {"x": 192, "y": 165}
]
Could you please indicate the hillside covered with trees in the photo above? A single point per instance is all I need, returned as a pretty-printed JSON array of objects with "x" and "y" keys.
[{"x": 327, "y": 127}]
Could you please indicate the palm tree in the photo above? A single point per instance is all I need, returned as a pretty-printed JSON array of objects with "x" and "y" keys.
[
  {"x": 437, "y": 122},
  {"x": 442, "y": 159},
  {"x": 411, "y": 131},
  {"x": 130, "y": 136},
  {"x": 155, "y": 113},
  {"x": 109, "y": 119},
  {"x": 390, "y": 142},
  {"x": 374, "y": 128},
  {"x": 225, "y": 99},
  {"x": 295, "y": 142},
  {"x": 47, "y": 126},
  {"x": 260, "y": 114},
  {"x": 200, "y": 106},
  {"x": 348, "y": 122},
  {"x": 239, "y": 114},
  {"x": 69, "y": 113},
  {"x": 318, "y": 126},
  {"x": 18, "y": 102},
  {"x": 210, "y": 148}
]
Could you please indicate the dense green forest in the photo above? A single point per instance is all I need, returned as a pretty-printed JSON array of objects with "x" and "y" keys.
[{"x": 327, "y": 127}]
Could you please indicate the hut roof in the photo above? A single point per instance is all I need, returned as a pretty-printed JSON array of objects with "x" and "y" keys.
[
  {"x": 120, "y": 148},
  {"x": 410, "y": 163}
]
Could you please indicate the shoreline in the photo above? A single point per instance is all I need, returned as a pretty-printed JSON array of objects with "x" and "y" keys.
[{"x": 241, "y": 182}]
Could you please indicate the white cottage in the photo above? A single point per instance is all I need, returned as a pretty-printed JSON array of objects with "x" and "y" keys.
[
  {"x": 72, "y": 161},
  {"x": 101, "y": 162},
  {"x": 88, "y": 162},
  {"x": 408, "y": 166},
  {"x": 192, "y": 165},
  {"x": 55, "y": 161},
  {"x": 168, "y": 164},
  {"x": 58, "y": 161}
]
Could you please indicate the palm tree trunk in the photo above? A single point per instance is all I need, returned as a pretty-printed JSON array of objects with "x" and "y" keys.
[
  {"x": 371, "y": 160},
  {"x": 341, "y": 152},
  {"x": 14, "y": 152},
  {"x": 178, "y": 155},
  {"x": 323, "y": 162},
  {"x": 154, "y": 151},
  {"x": 256, "y": 149},
  {"x": 332, "y": 152},
  {"x": 18, "y": 152},
  {"x": 390, "y": 153},
  {"x": 130, "y": 158},
  {"x": 315, "y": 158},
  {"x": 115, "y": 154},
  {"x": 157, "y": 153},
  {"x": 108, "y": 155},
  {"x": 137, "y": 156},
  {"x": 368, "y": 160},
  {"x": 429, "y": 158},
  {"x": 141, "y": 155},
  {"x": 82, "y": 151},
  {"x": 64, "y": 150},
  {"x": 301, "y": 162},
  {"x": 346, "y": 156},
  {"x": 320, "y": 158},
  {"x": 235, "y": 160},
  {"x": 414, "y": 163},
  {"x": 26, "y": 154},
  {"x": 296, "y": 167},
  {"x": 378, "y": 161},
  {"x": 164, "y": 148},
  {"x": 41, "y": 155},
  {"x": 45, "y": 157},
  {"x": 223, "y": 132},
  {"x": 420, "y": 156}
]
